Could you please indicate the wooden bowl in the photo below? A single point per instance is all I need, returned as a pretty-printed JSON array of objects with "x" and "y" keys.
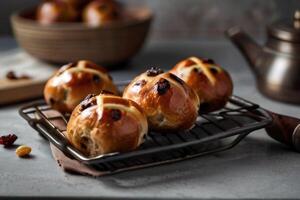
[{"x": 110, "y": 44}]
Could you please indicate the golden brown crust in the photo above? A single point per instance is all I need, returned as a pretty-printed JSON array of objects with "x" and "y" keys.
[
  {"x": 78, "y": 4},
  {"x": 99, "y": 12},
  {"x": 105, "y": 124},
  {"x": 167, "y": 101},
  {"x": 73, "y": 82},
  {"x": 50, "y": 12},
  {"x": 212, "y": 83}
]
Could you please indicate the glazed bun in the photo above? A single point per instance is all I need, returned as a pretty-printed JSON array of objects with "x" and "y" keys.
[
  {"x": 168, "y": 102},
  {"x": 99, "y": 12},
  {"x": 77, "y": 4},
  {"x": 212, "y": 83},
  {"x": 105, "y": 124},
  {"x": 73, "y": 82},
  {"x": 53, "y": 11}
]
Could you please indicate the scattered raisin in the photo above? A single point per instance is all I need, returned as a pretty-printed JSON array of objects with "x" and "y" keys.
[
  {"x": 208, "y": 61},
  {"x": 177, "y": 79},
  {"x": 11, "y": 75},
  {"x": 96, "y": 78},
  {"x": 8, "y": 140},
  {"x": 154, "y": 71},
  {"x": 163, "y": 86},
  {"x": 115, "y": 114}
]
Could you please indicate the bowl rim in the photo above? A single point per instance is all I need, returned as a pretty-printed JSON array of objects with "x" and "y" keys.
[{"x": 18, "y": 19}]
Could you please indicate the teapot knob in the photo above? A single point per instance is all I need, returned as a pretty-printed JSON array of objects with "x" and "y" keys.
[{"x": 297, "y": 19}]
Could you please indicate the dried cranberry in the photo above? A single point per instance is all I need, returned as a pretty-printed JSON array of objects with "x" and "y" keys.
[
  {"x": 115, "y": 114},
  {"x": 8, "y": 140},
  {"x": 154, "y": 71},
  {"x": 163, "y": 86}
]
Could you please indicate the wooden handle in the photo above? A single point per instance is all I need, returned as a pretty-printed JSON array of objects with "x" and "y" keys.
[{"x": 285, "y": 129}]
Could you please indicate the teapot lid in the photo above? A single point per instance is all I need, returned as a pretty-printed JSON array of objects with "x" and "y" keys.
[{"x": 288, "y": 30}]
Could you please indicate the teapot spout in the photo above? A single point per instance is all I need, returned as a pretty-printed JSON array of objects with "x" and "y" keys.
[{"x": 249, "y": 48}]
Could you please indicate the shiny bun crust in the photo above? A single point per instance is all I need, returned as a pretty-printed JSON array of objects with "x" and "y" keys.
[
  {"x": 77, "y": 4},
  {"x": 99, "y": 12},
  {"x": 105, "y": 124},
  {"x": 73, "y": 82},
  {"x": 52, "y": 11},
  {"x": 212, "y": 83},
  {"x": 168, "y": 102}
]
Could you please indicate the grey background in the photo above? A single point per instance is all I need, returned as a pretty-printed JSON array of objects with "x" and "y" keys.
[{"x": 192, "y": 18}]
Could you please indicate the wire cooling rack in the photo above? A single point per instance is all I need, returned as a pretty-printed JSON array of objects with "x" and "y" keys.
[{"x": 213, "y": 132}]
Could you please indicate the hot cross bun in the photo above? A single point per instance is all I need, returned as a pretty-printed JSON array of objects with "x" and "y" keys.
[
  {"x": 53, "y": 11},
  {"x": 212, "y": 83},
  {"x": 73, "y": 82},
  {"x": 169, "y": 103},
  {"x": 99, "y": 12},
  {"x": 105, "y": 124}
]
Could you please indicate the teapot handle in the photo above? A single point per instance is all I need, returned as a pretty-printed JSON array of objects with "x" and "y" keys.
[{"x": 285, "y": 129}]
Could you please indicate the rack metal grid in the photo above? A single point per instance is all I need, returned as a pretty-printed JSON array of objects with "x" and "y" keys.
[{"x": 213, "y": 132}]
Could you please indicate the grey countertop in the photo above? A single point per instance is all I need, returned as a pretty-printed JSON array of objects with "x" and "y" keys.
[{"x": 257, "y": 168}]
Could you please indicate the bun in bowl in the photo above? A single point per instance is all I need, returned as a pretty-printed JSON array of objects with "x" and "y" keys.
[
  {"x": 99, "y": 12},
  {"x": 54, "y": 11}
]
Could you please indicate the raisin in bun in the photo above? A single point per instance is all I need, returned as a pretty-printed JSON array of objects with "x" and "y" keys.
[
  {"x": 99, "y": 12},
  {"x": 53, "y": 11},
  {"x": 212, "y": 83},
  {"x": 169, "y": 103},
  {"x": 105, "y": 124},
  {"x": 73, "y": 82}
]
